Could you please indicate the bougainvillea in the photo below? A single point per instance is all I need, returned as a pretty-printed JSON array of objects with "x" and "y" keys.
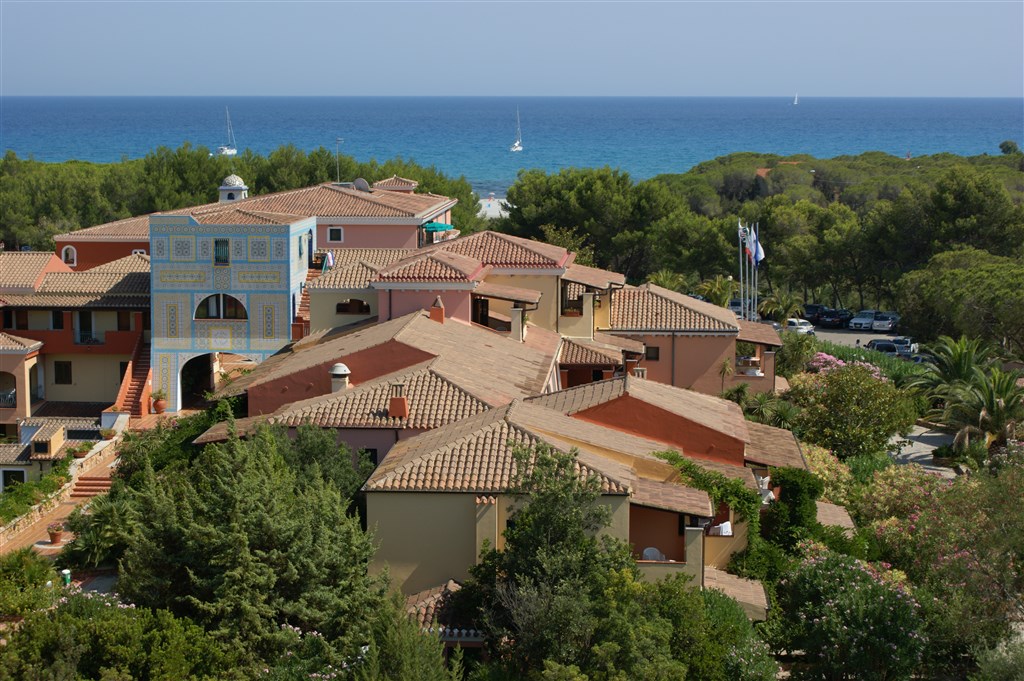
[{"x": 835, "y": 475}]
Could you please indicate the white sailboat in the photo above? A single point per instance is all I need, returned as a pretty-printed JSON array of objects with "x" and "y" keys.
[
  {"x": 796, "y": 99},
  {"x": 228, "y": 149},
  {"x": 518, "y": 144}
]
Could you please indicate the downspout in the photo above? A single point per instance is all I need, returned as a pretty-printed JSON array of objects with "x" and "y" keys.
[
  {"x": 673, "y": 359},
  {"x": 390, "y": 307}
]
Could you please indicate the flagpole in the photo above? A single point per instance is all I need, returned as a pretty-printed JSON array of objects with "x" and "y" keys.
[
  {"x": 757, "y": 266},
  {"x": 739, "y": 234}
]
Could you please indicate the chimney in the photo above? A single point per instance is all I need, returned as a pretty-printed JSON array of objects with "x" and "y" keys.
[
  {"x": 437, "y": 311},
  {"x": 640, "y": 372},
  {"x": 339, "y": 377},
  {"x": 398, "y": 406},
  {"x": 518, "y": 324}
]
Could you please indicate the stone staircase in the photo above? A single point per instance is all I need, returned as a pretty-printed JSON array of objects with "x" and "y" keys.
[
  {"x": 90, "y": 486},
  {"x": 303, "y": 312}
]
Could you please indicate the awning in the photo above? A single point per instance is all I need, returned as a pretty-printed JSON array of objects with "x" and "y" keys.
[
  {"x": 510, "y": 293},
  {"x": 437, "y": 227}
]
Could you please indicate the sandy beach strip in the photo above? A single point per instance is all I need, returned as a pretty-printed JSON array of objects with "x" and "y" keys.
[{"x": 490, "y": 207}]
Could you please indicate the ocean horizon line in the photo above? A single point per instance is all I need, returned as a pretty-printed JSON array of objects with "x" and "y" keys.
[{"x": 512, "y": 97}]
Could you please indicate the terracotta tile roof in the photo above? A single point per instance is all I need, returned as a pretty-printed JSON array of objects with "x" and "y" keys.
[
  {"x": 580, "y": 351},
  {"x": 628, "y": 344},
  {"x": 512, "y": 293},
  {"x": 380, "y": 257},
  {"x": 69, "y": 422},
  {"x": 773, "y": 447},
  {"x": 507, "y": 251},
  {"x": 22, "y": 269},
  {"x": 130, "y": 229},
  {"x": 426, "y": 608},
  {"x": 756, "y": 332},
  {"x": 747, "y": 592},
  {"x": 91, "y": 281},
  {"x": 396, "y": 182},
  {"x": 71, "y": 301},
  {"x": 671, "y": 496},
  {"x": 234, "y": 215},
  {"x": 136, "y": 262},
  {"x": 442, "y": 266},
  {"x": 593, "y": 277},
  {"x": 9, "y": 342},
  {"x": 14, "y": 453},
  {"x": 715, "y": 413},
  {"x": 357, "y": 275},
  {"x": 46, "y": 432},
  {"x": 652, "y": 308},
  {"x": 496, "y": 367},
  {"x": 834, "y": 515}
]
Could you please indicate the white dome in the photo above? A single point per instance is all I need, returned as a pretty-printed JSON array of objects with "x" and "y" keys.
[{"x": 233, "y": 181}]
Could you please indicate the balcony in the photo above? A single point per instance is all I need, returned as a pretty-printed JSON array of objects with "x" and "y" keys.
[
  {"x": 8, "y": 399},
  {"x": 749, "y": 366},
  {"x": 88, "y": 338}
]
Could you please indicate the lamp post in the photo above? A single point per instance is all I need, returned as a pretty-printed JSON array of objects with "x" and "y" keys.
[{"x": 337, "y": 162}]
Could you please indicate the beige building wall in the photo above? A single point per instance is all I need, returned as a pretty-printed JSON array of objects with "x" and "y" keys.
[
  {"x": 94, "y": 378},
  {"x": 39, "y": 320},
  {"x": 103, "y": 321},
  {"x": 323, "y": 306},
  {"x": 718, "y": 551},
  {"x": 546, "y": 314}
]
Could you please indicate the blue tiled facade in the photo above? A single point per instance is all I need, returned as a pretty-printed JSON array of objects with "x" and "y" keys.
[{"x": 263, "y": 267}]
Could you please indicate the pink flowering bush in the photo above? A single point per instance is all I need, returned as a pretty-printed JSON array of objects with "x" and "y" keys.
[
  {"x": 833, "y": 473},
  {"x": 897, "y": 491},
  {"x": 851, "y": 619},
  {"x": 823, "y": 363}
]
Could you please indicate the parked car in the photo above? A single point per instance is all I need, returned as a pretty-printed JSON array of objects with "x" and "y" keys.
[
  {"x": 801, "y": 326},
  {"x": 812, "y": 312},
  {"x": 735, "y": 306},
  {"x": 921, "y": 359},
  {"x": 772, "y": 323},
  {"x": 886, "y": 347},
  {"x": 863, "y": 320},
  {"x": 905, "y": 345},
  {"x": 885, "y": 322},
  {"x": 835, "y": 319}
]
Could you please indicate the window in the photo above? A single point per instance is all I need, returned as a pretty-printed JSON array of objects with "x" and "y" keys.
[
  {"x": 69, "y": 255},
  {"x": 124, "y": 320},
  {"x": 336, "y": 234},
  {"x": 138, "y": 251},
  {"x": 221, "y": 306},
  {"x": 652, "y": 354},
  {"x": 352, "y": 306},
  {"x": 13, "y": 477},
  {"x": 57, "y": 319},
  {"x": 21, "y": 319},
  {"x": 62, "y": 373},
  {"x": 41, "y": 447},
  {"x": 222, "y": 252},
  {"x": 371, "y": 454},
  {"x": 300, "y": 247},
  {"x": 8, "y": 319},
  {"x": 231, "y": 196}
]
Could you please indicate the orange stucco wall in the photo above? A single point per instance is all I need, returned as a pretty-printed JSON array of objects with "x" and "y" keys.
[
  {"x": 369, "y": 236},
  {"x": 313, "y": 381},
  {"x": 626, "y": 413},
  {"x": 95, "y": 253},
  {"x": 688, "y": 361},
  {"x": 660, "y": 529},
  {"x": 396, "y": 303}
]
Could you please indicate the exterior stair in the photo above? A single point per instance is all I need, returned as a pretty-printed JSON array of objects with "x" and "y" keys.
[
  {"x": 303, "y": 312},
  {"x": 139, "y": 379},
  {"x": 90, "y": 486}
]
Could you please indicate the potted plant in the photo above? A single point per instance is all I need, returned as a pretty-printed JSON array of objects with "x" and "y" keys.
[
  {"x": 56, "y": 532},
  {"x": 159, "y": 401},
  {"x": 107, "y": 433}
]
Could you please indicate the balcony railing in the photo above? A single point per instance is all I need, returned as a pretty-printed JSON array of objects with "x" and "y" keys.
[
  {"x": 8, "y": 399},
  {"x": 88, "y": 338}
]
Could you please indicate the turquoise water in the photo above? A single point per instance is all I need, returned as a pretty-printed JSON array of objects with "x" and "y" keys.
[{"x": 470, "y": 136}]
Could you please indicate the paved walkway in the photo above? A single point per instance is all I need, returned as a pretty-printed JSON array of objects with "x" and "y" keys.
[
  {"x": 923, "y": 441},
  {"x": 35, "y": 535}
]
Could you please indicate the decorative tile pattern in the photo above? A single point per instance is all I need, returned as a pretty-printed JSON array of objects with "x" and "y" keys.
[
  {"x": 205, "y": 249},
  {"x": 238, "y": 250},
  {"x": 222, "y": 278},
  {"x": 165, "y": 376},
  {"x": 159, "y": 247},
  {"x": 181, "y": 277},
  {"x": 183, "y": 248},
  {"x": 220, "y": 337},
  {"x": 258, "y": 277},
  {"x": 268, "y": 321},
  {"x": 171, "y": 328},
  {"x": 280, "y": 252},
  {"x": 259, "y": 249}
]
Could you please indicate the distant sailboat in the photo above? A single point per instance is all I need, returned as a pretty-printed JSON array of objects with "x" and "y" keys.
[
  {"x": 518, "y": 144},
  {"x": 228, "y": 149},
  {"x": 796, "y": 99}
]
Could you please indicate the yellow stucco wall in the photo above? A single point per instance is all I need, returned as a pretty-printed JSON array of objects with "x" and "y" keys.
[
  {"x": 322, "y": 306},
  {"x": 719, "y": 550},
  {"x": 95, "y": 378},
  {"x": 546, "y": 315},
  {"x": 39, "y": 320}
]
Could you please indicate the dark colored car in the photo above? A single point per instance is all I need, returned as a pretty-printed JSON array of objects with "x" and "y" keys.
[
  {"x": 812, "y": 312},
  {"x": 835, "y": 319}
]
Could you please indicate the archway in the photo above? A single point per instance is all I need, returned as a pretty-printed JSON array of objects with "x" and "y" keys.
[{"x": 205, "y": 374}]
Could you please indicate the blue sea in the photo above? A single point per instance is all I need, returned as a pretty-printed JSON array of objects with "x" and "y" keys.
[{"x": 470, "y": 136}]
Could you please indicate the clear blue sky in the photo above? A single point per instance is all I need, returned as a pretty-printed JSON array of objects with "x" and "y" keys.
[{"x": 769, "y": 48}]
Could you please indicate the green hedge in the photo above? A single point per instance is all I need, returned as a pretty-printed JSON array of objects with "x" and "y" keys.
[{"x": 19, "y": 499}]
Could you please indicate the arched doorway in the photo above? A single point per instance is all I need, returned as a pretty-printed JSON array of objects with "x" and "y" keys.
[{"x": 205, "y": 374}]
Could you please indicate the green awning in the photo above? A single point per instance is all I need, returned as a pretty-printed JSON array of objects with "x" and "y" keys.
[{"x": 437, "y": 227}]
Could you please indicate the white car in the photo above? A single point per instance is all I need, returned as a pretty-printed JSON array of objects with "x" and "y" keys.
[
  {"x": 863, "y": 320},
  {"x": 801, "y": 326}
]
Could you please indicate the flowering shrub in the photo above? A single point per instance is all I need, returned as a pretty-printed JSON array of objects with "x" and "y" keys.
[
  {"x": 835, "y": 476},
  {"x": 853, "y": 621},
  {"x": 897, "y": 491},
  {"x": 823, "y": 363}
]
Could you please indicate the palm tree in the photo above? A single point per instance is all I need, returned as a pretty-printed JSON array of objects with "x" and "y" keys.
[
  {"x": 666, "y": 278},
  {"x": 958, "y": 363},
  {"x": 785, "y": 415},
  {"x": 725, "y": 370},
  {"x": 718, "y": 290},
  {"x": 780, "y": 306},
  {"x": 761, "y": 407},
  {"x": 990, "y": 408}
]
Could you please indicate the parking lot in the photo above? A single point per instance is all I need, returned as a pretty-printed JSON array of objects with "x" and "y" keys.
[{"x": 848, "y": 337}]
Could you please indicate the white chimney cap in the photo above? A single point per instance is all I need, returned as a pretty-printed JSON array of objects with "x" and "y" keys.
[{"x": 339, "y": 370}]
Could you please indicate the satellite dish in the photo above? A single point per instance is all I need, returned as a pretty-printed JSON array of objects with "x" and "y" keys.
[{"x": 361, "y": 184}]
